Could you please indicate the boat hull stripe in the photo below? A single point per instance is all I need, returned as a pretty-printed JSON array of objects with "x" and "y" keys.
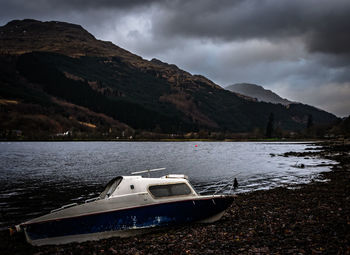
[{"x": 134, "y": 218}]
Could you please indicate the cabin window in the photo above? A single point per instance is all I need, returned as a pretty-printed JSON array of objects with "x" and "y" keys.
[
  {"x": 111, "y": 187},
  {"x": 178, "y": 189}
]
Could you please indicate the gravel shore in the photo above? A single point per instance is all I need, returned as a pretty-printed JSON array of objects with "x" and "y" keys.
[{"x": 307, "y": 219}]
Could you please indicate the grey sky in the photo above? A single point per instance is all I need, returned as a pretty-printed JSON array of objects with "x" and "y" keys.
[{"x": 299, "y": 49}]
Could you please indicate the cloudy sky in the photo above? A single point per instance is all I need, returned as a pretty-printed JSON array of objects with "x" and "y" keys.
[{"x": 298, "y": 48}]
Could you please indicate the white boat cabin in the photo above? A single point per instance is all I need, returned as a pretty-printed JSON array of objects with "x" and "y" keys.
[{"x": 158, "y": 188}]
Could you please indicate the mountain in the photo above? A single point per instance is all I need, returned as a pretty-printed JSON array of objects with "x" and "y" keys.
[
  {"x": 258, "y": 92},
  {"x": 342, "y": 128},
  {"x": 57, "y": 77}
]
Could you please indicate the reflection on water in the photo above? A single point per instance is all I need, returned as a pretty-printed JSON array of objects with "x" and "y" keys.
[{"x": 36, "y": 177}]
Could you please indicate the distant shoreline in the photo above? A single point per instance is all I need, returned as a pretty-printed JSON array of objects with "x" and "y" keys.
[{"x": 169, "y": 140}]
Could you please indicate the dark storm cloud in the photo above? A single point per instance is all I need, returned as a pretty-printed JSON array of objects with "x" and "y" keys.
[
  {"x": 45, "y": 5},
  {"x": 323, "y": 24},
  {"x": 67, "y": 9},
  {"x": 79, "y": 5}
]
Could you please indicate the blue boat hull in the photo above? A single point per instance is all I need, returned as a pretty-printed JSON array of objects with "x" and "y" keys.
[{"x": 163, "y": 214}]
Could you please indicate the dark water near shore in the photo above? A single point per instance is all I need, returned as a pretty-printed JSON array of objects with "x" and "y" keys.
[{"x": 36, "y": 177}]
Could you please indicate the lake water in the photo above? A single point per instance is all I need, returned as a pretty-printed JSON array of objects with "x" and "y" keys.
[{"x": 36, "y": 177}]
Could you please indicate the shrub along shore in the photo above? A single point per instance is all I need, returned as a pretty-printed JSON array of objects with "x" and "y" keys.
[{"x": 306, "y": 219}]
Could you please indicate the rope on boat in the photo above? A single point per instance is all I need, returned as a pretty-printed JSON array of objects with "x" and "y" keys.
[{"x": 228, "y": 182}]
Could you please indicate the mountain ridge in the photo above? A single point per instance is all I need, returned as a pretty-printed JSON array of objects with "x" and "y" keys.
[
  {"x": 258, "y": 92},
  {"x": 64, "y": 67},
  {"x": 73, "y": 40}
]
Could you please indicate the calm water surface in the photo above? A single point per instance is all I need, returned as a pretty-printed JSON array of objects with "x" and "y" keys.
[{"x": 36, "y": 177}]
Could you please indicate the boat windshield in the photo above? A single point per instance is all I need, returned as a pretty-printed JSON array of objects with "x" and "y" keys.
[{"x": 110, "y": 187}]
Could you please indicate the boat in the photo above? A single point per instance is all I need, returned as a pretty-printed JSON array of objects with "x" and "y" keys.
[{"x": 129, "y": 205}]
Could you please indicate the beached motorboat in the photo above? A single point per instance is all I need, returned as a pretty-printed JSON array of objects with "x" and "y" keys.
[{"x": 127, "y": 206}]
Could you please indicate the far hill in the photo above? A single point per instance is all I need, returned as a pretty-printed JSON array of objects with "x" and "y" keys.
[
  {"x": 258, "y": 92},
  {"x": 342, "y": 128},
  {"x": 57, "y": 77}
]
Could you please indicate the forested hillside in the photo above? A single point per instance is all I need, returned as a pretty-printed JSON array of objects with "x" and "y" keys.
[{"x": 58, "y": 80}]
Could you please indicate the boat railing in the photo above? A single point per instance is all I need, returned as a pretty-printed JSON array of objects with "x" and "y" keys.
[
  {"x": 149, "y": 171},
  {"x": 91, "y": 199},
  {"x": 74, "y": 204},
  {"x": 63, "y": 207}
]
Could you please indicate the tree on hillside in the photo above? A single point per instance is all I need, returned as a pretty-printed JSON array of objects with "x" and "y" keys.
[
  {"x": 269, "y": 127},
  {"x": 310, "y": 121}
]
